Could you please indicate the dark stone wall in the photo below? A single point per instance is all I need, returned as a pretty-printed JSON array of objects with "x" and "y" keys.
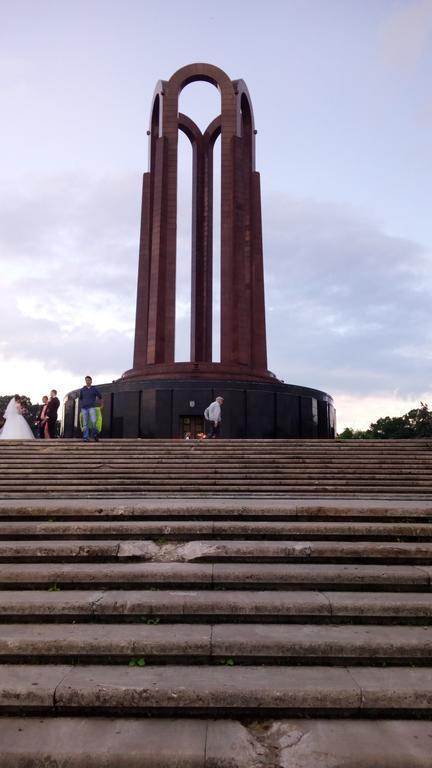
[{"x": 153, "y": 409}]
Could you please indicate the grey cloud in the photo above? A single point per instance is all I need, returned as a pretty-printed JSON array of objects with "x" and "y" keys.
[
  {"x": 348, "y": 306},
  {"x": 345, "y": 301}
]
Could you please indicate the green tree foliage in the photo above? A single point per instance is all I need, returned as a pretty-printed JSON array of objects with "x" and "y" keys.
[{"x": 415, "y": 423}]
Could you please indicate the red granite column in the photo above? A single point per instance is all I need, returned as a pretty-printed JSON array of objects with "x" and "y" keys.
[{"x": 243, "y": 339}]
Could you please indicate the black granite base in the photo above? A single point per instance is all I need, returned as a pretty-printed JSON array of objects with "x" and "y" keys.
[{"x": 170, "y": 409}]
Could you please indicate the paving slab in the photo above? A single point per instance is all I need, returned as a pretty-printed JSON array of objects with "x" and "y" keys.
[
  {"x": 398, "y": 688},
  {"x": 131, "y": 528},
  {"x": 323, "y": 575},
  {"x": 81, "y": 640},
  {"x": 297, "y": 528},
  {"x": 330, "y": 743},
  {"x": 381, "y": 604},
  {"x": 213, "y": 602},
  {"x": 240, "y": 508},
  {"x": 44, "y": 603},
  {"x": 29, "y": 686},
  {"x": 291, "y": 642},
  {"x": 49, "y": 549},
  {"x": 99, "y": 573},
  {"x": 231, "y": 745},
  {"x": 203, "y": 528},
  {"x": 36, "y": 742},
  {"x": 206, "y": 688},
  {"x": 291, "y": 550}
]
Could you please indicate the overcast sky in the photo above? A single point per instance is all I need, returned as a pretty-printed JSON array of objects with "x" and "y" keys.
[{"x": 342, "y": 96}]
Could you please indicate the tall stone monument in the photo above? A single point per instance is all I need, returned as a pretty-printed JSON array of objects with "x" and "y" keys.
[{"x": 159, "y": 397}]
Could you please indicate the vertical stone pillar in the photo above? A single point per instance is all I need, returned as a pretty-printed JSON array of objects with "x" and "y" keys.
[{"x": 243, "y": 339}]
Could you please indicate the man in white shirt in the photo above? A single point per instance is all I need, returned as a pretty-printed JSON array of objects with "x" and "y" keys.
[{"x": 213, "y": 413}]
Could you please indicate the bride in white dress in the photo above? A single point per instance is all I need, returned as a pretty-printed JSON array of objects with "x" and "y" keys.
[{"x": 16, "y": 427}]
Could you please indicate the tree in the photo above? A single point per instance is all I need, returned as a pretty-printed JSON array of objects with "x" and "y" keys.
[{"x": 416, "y": 423}]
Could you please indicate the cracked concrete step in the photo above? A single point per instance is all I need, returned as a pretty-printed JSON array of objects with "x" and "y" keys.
[
  {"x": 181, "y": 605},
  {"x": 340, "y": 510},
  {"x": 344, "y": 743},
  {"x": 181, "y": 529},
  {"x": 263, "y": 464},
  {"x": 215, "y": 690},
  {"x": 111, "y": 482},
  {"x": 214, "y": 551},
  {"x": 218, "y": 576},
  {"x": 74, "y": 742},
  {"x": 246, "y": 643},
  {"x": 66, "y": 742},
  {"x": 110, "y": 474},
  {"x": 222, "y": 492}
]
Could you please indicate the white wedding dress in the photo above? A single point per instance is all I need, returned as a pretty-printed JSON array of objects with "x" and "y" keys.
[{"x": 16, "y": 427}]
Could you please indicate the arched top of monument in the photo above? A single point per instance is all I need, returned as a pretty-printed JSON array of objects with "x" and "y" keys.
[
  {"x": 201, "y": 72},
  {"x": 236, "y": 114}
]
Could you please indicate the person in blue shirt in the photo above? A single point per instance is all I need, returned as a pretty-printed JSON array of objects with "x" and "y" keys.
[{"x": 88, "y": 396}]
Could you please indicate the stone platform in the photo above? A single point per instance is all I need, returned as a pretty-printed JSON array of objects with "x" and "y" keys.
[{"x": 252, "y": 409}]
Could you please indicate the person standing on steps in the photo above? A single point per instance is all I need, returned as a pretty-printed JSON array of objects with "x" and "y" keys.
[
  {"x": 51, "y": 413},
  {"x": 88, "y": 397},
  {"x": 213, "y": 414},
  {"x": 42, "y": 419}
]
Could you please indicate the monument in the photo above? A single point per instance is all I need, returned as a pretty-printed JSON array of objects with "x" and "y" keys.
[{"x": 158, "y": 397}]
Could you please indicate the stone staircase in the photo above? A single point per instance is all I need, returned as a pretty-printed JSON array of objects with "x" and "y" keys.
[
  {"x": 240, "y": 632},
  {"x": 215, "y": 468}
]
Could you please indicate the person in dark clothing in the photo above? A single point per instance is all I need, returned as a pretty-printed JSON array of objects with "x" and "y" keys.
[
  {"x": 88, "y": 397},
  {"x": 51, "y": 413},
  {"x": 42, "y": 419}
]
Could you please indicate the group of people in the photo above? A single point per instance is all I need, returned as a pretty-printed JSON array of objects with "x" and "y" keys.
[
  {"x": 46, "y": 420},
  {"x": 16, "y": 427}
]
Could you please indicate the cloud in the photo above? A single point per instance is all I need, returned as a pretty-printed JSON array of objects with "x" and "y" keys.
[
  {"x": 407, "y": 35},
  {"x": 348, "y": 306},
  {"x": 69, "y": 250}
]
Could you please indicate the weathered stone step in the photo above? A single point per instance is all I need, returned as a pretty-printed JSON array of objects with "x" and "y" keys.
[
  {"x": 213, "y": 605},
  {"x": 214, "y": 551},
  {"x": 213, "y": 490},
  {"x": 75, "y": 742},
  {"x": 189, "y": 530},
  {"x": 265, "y": 462},
  {"x": 340, "y": 510},
  {"x": 216, "y": 576},
  {"x": 220, "y": 462},
  {"x": 197, "y": 643},
  {"x": 215, "y": 690},
  {"x": 181, "y": 481}
]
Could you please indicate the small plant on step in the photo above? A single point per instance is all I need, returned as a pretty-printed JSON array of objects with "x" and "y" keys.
[
  {"x": 227, "y": 662},
  {"x": 150, "y": 619},
  {"x": 137, "y": 661},
  {"x": 53, "y": 588}
]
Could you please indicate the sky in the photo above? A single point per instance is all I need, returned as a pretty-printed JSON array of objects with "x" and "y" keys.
[{"x": 342, "y": 97}]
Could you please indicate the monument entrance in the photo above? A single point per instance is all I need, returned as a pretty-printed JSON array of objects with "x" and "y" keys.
[{"x": 153, "y": 398}]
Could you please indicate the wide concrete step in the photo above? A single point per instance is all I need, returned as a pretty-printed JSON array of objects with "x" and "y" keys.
[
  {"x": 215, "y": 690},
  {"x": 265, "y": 462},
  {"x": 76, "y": 742},
  {"x": 158, "y": 605},
  {"x": 220, "y": 643},
  {"x": 179, "y": 530},
  {"x": 207, "y": 469},
  {"x": 216, "y": 575},
  {"x": 216, "y": 551},
  {"x": 304, "y": 510}
]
